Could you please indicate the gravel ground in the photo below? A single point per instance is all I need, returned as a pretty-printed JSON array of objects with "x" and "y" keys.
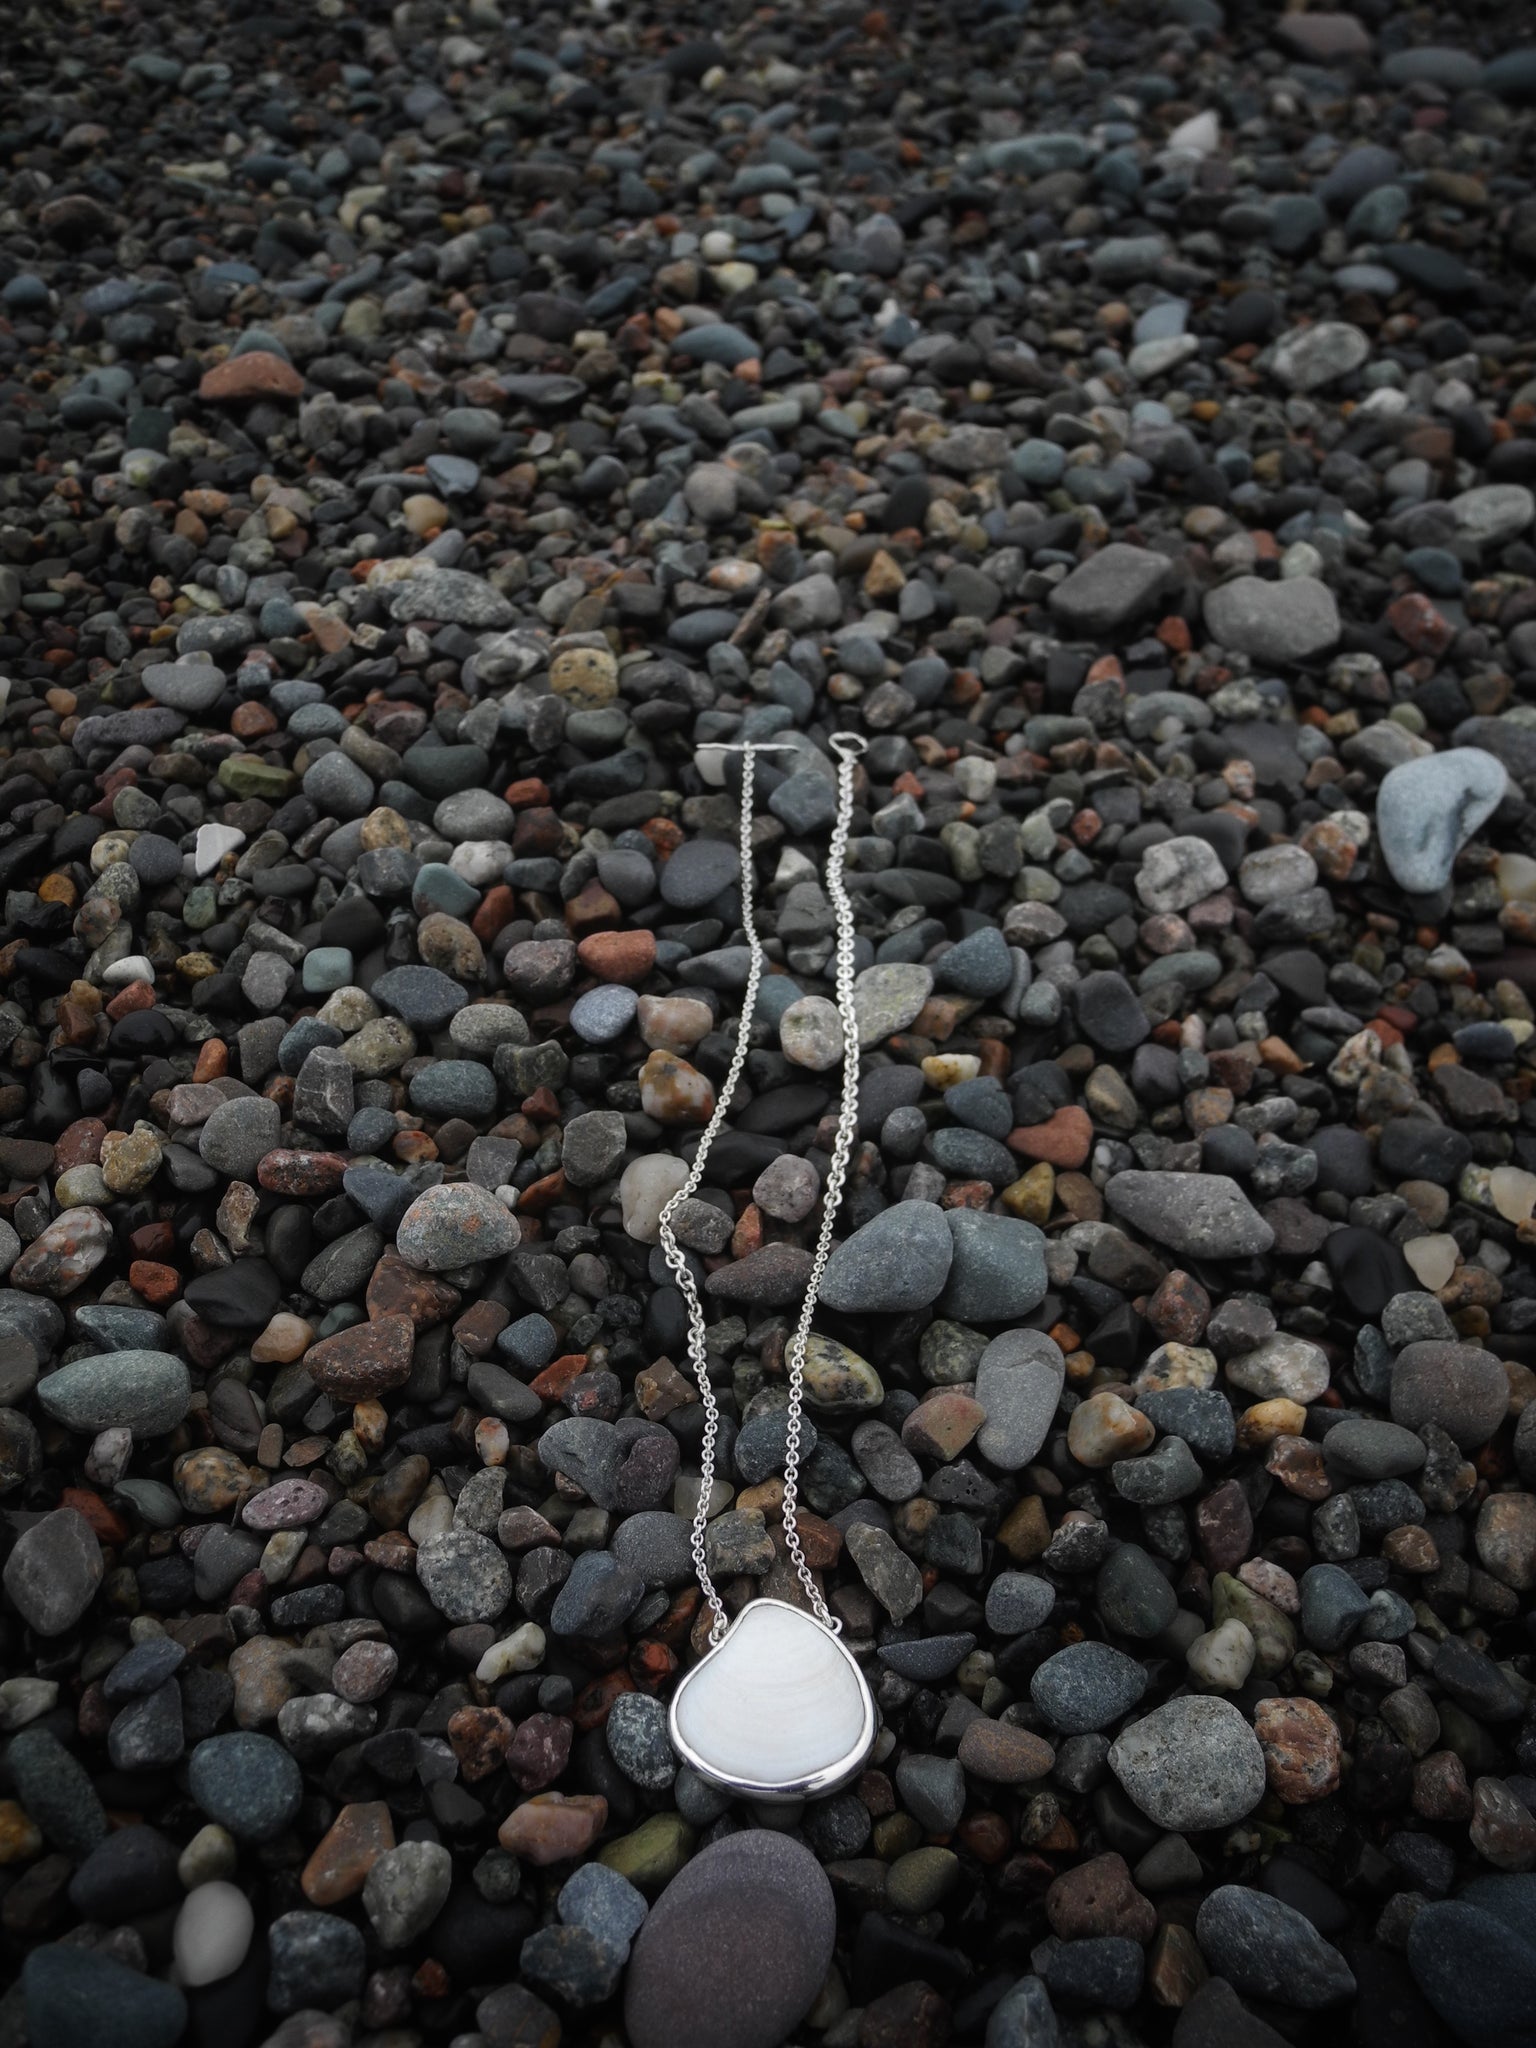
[{"x": 423, "y": 432}]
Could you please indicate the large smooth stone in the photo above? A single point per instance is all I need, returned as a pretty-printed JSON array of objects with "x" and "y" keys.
[
  {"x": 148, "y": 1392},
  {"x": 779, "y": 1707},
  {"x": 77, "y": 1996},
  {"x": 736, "y": 1948},
  {"x": 1474, "y": 1958},
  {"x": 998, "y": 1269},
  {"x": 1427, "y": 810},
  {"x": 896, "y": 1262},
  {"x": 1192, "y": 1763},
  {"x": 1198, "y": 1215}
]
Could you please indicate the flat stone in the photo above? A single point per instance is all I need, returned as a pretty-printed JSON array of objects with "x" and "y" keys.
[
  {"x": 1115, "y": 585},
  {"x": 147, "y": 1392},
  {"x": 1203, "y": 1215},
  {"x": 53, "y": 1571},
  {"x": 1018, "y": 1382},
  {"x": 1293, "y": 620},
  {"x": 71, "y": 1994},
  {"x": 1266, "y": 1949},
  {"x": 1427, "y": 810}
]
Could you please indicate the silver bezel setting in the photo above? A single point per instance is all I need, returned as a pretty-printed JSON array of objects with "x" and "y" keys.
[{"x": 830, "y": 1778}]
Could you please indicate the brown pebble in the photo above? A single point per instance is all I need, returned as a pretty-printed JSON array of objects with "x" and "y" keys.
[
  {"x": 339, "y": 1865},
  {"x": 366, "y": 1360},
  {"x": 1099, "y": 1897},
  {"x": 1002, "y": 1754},
  {"x": 1302, "y": 1751},
  {"x": 553, "y": 1828}
]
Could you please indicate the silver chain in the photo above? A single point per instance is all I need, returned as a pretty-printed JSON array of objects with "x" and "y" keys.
[{"x": 847, "y": 746}]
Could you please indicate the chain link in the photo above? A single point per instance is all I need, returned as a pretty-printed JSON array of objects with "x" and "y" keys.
[{"x": 847, "y": 747}]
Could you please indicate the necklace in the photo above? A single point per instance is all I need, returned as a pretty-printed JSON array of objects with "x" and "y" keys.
[{"x": 777, "y": 1709}]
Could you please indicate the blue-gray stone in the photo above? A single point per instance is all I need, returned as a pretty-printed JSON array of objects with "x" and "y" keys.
[
  {"x": 1018, "y": 1602},
  {"x": 461, "y": 1088},
  {"x": 1427, "y": 810},
  {"x": 423, "y": 996},
  {"x": 1266, "y": 1949},
  {"x": 1474, "y": 1959},
  {"x": 896, "y": 1262},
  {"x": 997, "y": 1271},
  {"x": 1087, "y": 1686},
  {"x": 603, "y": 1902},
  {"x": 1332, "y": 1607},
  {"x": 318, "y": 1960},
  {"x": 148, "y": 1392},
  {"x": 980, "y": 966},
  {"x": 716, "y": 342},
  {"x": 326, "y": 968},
  {"x": 247, "y": 1782},
  {"x": 74, "y": 1995},
  {"x": 604, "y": 1013}
]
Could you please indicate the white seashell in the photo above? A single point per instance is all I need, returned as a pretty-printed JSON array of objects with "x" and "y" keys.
[{"x": 779, "y": 1710}]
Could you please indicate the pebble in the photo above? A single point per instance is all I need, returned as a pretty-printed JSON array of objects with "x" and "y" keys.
[
  {"x": 212, "y": 1936},
  {"x": 1087, "y": 1686},
  {"x": 1266, "y": 1949},
  {"x": 1019, "y": 1378},
  {"x": 70, "y": 1993},
  {"x": 1474, "y": 1958},
  {"x": 1191, "y": 1764},
  {"x": 53, "y": 1571},
  {"x": 454, "y": 1225},
  {"x": 1197, "y": 1216},
  {"x": 735, "y": 1948},
  {"x": 1295, "y": 620},
  {"x": 247, "y": 1782},
  {"x": 406, "y": 1888},
  {"x": 898, "y": 1261},
  {"x": 1459, "y": 1388},
  {"x": 1427, "y": 810},
  {"x": 464, "y": 1575}
]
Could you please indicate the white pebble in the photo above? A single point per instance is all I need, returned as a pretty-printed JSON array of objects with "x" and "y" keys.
[
  {"x": 523, "y": 1650},
  {"x": 1223, "y": 1657},
  {"x": 479, "y": 861},
  {"x": 432, "y": 1516},
  {"x": 133, "y": 967},
  {"x": 213, "y": 842},
  {"x": 645, "y": 1188},
  {"x": 974, "y": 778},
  {"x": 1433, "y": 1259},
  {"x": 811, "y": 1034},
  {"x": 1199, "y": 135},
  {"x": 213, "y": 1933}
]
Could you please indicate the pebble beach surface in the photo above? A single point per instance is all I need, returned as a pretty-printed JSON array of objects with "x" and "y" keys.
[{"x": 427, "y": 433}]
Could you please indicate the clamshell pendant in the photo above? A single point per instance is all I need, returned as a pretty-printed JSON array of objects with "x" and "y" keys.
[{"x": 777, "y": 1710}]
